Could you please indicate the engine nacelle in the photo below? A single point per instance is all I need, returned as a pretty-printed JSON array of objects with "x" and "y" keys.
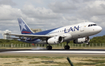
[
  {"x": 82, "y": 40},
  {"x": 55, "y": 40}
]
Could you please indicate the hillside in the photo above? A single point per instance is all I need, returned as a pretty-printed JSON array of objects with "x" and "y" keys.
[
  {"x": 98, "y": 39},
  {"x": 3, "y": 41}
]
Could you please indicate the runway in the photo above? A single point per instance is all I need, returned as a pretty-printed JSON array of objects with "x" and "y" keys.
[
  {"x": 42, "y": 49},
  {"x": 60, "y": 52},
  {"x": 54, "y": 52}
]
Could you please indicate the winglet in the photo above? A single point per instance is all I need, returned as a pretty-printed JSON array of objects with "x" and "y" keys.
[{"x": 24, "y": 28}]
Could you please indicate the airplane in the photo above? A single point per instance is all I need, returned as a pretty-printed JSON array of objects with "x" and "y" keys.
[{"x": 79, "y": 33}]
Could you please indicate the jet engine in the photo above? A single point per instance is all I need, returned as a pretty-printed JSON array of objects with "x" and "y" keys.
[
  {"x": 82, "y": 40},
  {"x": 54, "y": 40}
]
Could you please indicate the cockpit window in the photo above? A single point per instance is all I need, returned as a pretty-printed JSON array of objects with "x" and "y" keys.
[{"x": 92, "y": 25}]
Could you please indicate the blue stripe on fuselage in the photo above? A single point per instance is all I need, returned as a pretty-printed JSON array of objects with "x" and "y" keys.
[{"x": 45, "y": 32}]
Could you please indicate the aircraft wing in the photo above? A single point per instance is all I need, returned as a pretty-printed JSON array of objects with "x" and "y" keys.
[{"x": 29, "y": 35}]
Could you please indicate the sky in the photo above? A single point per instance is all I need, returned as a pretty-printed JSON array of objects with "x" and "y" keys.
[{"x": 48, "y": 14}]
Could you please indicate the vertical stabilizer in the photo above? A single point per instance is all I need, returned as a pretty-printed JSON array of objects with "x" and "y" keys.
[{"x": 24, "y": 28}]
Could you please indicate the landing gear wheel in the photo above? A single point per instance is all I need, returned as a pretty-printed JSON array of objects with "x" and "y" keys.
[
  {"x": 88, "y": 43},
  {"x": 49, "y": 47},
  {"x": 67, "y": 47}
]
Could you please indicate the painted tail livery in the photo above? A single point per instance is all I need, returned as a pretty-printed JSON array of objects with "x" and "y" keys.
[{"x": 24, "y": 28}]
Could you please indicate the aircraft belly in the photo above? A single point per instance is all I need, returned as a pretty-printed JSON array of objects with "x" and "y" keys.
[{"x": 78, "y": 35}]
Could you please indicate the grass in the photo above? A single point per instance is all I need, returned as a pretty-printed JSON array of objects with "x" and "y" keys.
[
  {"x": 47, "y": 62},
  {"x": 96, "y": 61},
  {"x": 34, "y": 62},
  {"x": 80, "y": 64},
  {"x": 52, "y": 61},
  {"x": 101, "y": 65},
  {"x": 29, "y": 57},
  {"x": 17, "y": 62},
  {"x": 7, "y": 63}
]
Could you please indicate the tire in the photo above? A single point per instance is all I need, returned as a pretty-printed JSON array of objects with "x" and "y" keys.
[
  {"x": 49, "y": 47},
  {"x": 88, "y": 43},
  {"x": 67, "y": 47}
]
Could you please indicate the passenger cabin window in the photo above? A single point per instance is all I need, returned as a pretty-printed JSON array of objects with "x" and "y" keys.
[{"x": 92, "y": 25}]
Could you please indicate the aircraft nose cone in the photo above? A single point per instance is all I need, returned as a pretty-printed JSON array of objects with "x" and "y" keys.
[{"x": 99, "y": 29}]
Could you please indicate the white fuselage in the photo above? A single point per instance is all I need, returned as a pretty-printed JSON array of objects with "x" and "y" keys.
[{"x": 77, "y": 31}]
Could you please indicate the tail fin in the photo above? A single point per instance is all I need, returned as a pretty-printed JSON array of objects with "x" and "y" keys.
[{"x": 24, "y": 28}]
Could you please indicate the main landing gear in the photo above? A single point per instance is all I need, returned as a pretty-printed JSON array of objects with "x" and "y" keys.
[
  {"x": 49, "y": 47},
  {"x": 67, "y": 47}
]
